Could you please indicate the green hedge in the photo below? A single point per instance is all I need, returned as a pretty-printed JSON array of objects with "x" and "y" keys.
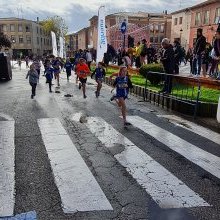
[{"x": 154, "y": 79}]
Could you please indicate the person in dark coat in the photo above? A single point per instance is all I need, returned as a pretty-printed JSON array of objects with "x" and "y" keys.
[
  {"x": 167, "y": 60},
  {"x": 198, "y": 52}
]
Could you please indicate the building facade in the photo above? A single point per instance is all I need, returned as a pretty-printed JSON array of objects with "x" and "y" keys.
[
  {"x": 28, "y": 37},
  {"x": 150, "y": 26},
  {"x": 71, "y": 42},
  {"x": 180, "y": 31},
  {"x": 206, "y": 16}
]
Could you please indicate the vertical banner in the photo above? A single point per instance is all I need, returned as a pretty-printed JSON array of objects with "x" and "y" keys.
[
  {"x": 61, "y": 47},
  {"x": 102, "y": 40},
  {"x": 54, "y": 43}
]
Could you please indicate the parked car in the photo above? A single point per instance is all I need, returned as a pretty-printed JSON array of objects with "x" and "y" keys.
[{"x": 5, "y": 67}]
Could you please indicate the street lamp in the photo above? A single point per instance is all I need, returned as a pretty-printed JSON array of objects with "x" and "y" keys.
[{"x": 181, "y": 30}]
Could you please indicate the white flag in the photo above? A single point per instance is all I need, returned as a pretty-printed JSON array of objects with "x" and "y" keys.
[
  {"x": 102, "y": 40},
  {"x": 54, "y": 43},
  {"x": 61, "y": 47}
]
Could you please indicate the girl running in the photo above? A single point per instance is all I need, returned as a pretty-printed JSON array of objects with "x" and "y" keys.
[
  {"x": 99, "y": 73},
  {"x": 33, "y": 79},
  {"x": 122, "y": 84}
]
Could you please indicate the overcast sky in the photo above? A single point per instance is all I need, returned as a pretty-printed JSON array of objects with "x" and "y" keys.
[{"x": 77, "y": 12}]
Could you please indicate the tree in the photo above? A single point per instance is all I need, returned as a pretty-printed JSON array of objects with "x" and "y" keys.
[
  {"x": 56, "y": 24},
  {"x": 4, "y": 41}
]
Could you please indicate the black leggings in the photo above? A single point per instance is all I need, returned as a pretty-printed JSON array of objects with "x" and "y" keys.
[{"x": 33, "y": 86}]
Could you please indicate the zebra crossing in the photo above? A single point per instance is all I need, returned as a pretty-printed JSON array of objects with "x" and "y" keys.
[{"x": 80, "y": 192}]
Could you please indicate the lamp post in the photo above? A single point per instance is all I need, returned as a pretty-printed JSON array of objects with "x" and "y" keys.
[{"x": 181, "y": 30}]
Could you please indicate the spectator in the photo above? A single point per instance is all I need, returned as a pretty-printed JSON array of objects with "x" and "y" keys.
[
  {"x": 143, "y": 51},
  {"x": 177, "y": 56},
  {"x": 199, "y": 50},
  {"x": 89, "y": 59},
  {"x": 168, "y": 64}
]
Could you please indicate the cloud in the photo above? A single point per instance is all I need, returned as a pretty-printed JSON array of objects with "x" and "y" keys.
[{"x": 77, "y": 13}]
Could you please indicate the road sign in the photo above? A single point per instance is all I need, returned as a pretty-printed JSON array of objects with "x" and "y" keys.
[{"x": 123, "y": 27}]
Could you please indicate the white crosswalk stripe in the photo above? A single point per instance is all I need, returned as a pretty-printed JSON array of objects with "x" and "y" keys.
[
  {"x": 197, "y": 129},
  {"x": 77, "y": 186},
  {"x": 205, "y": 160},
  {"x": 166, "y": 189},
  {"x": 7, "y": 173}
]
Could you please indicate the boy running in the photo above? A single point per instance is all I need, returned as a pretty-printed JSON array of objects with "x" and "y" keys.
[
  {"x": 99, "y": 73},
  {"x": 82, "y": 71},
  {"x": 122, "y": 84}
]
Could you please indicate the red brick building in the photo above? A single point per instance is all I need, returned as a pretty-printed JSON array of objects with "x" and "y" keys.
[{"x": 206, "y": 16}]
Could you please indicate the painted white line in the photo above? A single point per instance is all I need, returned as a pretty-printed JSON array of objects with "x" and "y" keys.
[
  {"x": 79, "y": 190},
  {"x": 7, "y": 172},
  {"x": 166, "y": 189},
  {"x": 196, "y": 155},
  {"x": 7, "y": 117},
  {"x": 204, "y": 132}
]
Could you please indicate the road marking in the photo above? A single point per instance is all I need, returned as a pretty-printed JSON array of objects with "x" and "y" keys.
[
  {"x": 205, "y": 160},
  {"x": 166, "y": 189},
  {"x": 78, "y": 188},
  {"x": 7, "y": 172},
  {"x": 204, "y": 132}
]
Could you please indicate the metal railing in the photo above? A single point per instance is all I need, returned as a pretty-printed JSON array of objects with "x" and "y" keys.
[{"x": 172, "y": 88}]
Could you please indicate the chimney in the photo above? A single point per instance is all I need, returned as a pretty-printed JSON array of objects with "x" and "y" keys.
[{"x": 37, "y": 19}]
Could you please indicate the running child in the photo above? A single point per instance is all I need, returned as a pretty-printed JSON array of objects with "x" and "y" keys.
[
  {"x": 49, "y": 75},
  {"x": 33, "y": 79},
  {"x": 68, "y": 66},
  {"x": 99, "y": 73},
  {"x": 122, "y": 84},
  {"x": 56, "y": 66},
  {"x": 82, "y": 71}
]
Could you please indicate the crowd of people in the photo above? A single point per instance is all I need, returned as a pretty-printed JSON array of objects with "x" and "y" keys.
[{"x": 203, "y": 57}]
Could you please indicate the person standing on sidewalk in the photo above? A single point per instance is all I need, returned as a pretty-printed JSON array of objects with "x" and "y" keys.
[
  {"x": 89, "y": 58},
  {"x": 198, "y": 52},
  {"x": 33, "y": 79},
  {"x": 167, "y": 60},
  {"x": 82, "y": 71}
]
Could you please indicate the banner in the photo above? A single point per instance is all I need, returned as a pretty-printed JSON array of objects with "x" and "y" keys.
[
  {"x": 61, "y": 47},
  {"x": 102, "y": 40},
  {"x": 54, "y": 43},
  {"x": 218, "y": 111}
]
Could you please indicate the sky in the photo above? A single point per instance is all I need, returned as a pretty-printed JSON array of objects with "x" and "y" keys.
[{"x": 77, "y": 12}]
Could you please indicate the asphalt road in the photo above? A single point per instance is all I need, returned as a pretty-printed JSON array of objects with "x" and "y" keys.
[{"x": 159, "y": 169}]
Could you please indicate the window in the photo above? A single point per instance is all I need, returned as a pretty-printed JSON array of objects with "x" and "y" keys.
[
  {"x": 4, "y": 27},
  {"x": 21, "y": 40},
  {"x": 37, "y": 30},
  {"x": 206, "y": 17},
  {"x": 38, "y": 40},
  {"x": 12, "y": 27},
  {"x": 20, "y": 28},
  {"x": 162, "y": 28},
  {"x": 28, "y": 28},
  {"x": 181, "y": 20},
  {"x": 198, "y": 19},
  {"x": 28, "y": 38},
  {"x": 13, "y": 38},
  {"x": 40, "y": 31},
  {"x": 175, "y": 21},
  {"x": 217, "y": 15}
]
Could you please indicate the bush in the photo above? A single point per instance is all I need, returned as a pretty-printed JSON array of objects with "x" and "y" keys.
[{"x": 154, "y": 78}]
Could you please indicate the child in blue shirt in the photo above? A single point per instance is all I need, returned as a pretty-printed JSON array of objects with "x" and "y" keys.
[
  {"x": 99, "y": 73},
  {"x": 49, "y": 75}
]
